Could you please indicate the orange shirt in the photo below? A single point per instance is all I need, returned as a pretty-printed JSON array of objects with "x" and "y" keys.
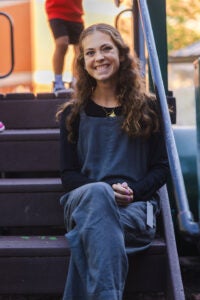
[{"x": 69, "y": 10}]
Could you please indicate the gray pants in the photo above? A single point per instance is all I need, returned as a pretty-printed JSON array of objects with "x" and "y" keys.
[{"x": 100, "y": 234}]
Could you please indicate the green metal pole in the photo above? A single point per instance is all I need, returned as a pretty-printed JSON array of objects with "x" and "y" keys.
[
  {"x": 197, "y": 98},
  {"x": 157, "y": 12}
]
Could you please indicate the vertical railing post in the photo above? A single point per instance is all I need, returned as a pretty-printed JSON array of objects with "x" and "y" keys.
[
  {"x": 157, "y": 13},
  {"x": 138, "y": 37},
  {"x": 197, "y": 100},
  {"x": 185, "y": 217}
]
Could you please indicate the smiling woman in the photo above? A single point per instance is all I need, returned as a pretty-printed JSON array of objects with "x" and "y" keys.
[{"x": 109, "y": 166}]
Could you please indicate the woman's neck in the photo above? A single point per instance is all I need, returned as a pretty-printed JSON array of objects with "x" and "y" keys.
[{"x": 105, "y": 96}]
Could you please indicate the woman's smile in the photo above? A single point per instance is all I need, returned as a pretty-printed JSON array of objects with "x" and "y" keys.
[{"x": 102, "y": 68}]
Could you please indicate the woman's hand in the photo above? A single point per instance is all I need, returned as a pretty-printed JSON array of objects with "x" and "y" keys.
[{"x": 123, "y": 193}]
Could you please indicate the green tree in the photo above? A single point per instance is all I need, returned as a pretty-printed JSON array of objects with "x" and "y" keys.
[{"x": 183, "y": 22}]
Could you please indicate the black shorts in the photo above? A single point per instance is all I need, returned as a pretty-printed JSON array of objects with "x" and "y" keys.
[{"x": 61, "y": 27}]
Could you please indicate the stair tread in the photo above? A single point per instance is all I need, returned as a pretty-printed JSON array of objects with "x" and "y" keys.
[
  {"x": 30, "y": 184},
  {"x": 27, "y": 134},
  {"x": 33, "y": 245},
  {"x": 50, "y": 245}
]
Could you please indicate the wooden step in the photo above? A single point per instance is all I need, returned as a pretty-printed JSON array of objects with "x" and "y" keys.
[
  {"x": 29, "y": 150},
  {"x": 29, "y": 257},
  {"x": 29, "y": 246},
  {"x": 30, "y": 112},
  {"x": 30, "y": 202},
  {"x": 24, "y": 185},
  {"x": 39, "y": 264}
]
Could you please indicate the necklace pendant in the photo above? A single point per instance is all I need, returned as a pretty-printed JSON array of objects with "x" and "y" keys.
[{"x": 112, "y": 114}]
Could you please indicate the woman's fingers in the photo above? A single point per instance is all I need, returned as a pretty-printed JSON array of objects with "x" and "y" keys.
[
  {"x": 125, "y": 185},
  {"x": 122, "y": 189},
  {"x": 123, "y": 194}
]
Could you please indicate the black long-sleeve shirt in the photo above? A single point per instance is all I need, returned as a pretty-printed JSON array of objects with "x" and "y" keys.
[{"x": 72, "y": 177}]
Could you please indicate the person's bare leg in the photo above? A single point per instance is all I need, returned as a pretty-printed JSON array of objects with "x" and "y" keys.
[
  {"x": 74, "y": 73},
  {"x": 61, "y": 46}
]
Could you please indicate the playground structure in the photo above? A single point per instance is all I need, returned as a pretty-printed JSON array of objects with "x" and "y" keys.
[{"x": 33, "y": 248}]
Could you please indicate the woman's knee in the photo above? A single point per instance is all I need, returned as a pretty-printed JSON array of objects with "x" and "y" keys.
[
  {"x": 97, "y": 195},
  {"x": 100, "y": 187},
  {"x": 101, "y": 190}
]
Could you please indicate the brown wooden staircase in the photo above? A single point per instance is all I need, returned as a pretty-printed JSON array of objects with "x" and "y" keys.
[{"x": 34, "y": 254}]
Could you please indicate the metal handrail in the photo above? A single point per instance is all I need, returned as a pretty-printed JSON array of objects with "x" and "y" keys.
[
  {"x": 187, "y": 224},
  {"x": 121, "y": 13},
  {"x": 138, "y": 44},
  {"x": 11, "y": 44},
  {"x": 197, "y": 100}
]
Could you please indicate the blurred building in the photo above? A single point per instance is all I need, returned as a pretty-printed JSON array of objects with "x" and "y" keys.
[
  {"x": 33, "y": 42},
  {"x": 20, "y": 14}
]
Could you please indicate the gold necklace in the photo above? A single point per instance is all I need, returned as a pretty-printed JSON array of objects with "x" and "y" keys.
[{"x": 109, "y": 114}]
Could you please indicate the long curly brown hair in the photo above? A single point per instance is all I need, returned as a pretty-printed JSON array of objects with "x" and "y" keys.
[{"x": 139, "y": 108}]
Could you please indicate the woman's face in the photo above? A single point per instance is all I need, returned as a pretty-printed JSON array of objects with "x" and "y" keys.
[{"x": 101, "y": 57}]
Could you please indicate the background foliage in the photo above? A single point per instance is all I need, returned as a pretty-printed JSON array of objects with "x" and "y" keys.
[{"x": 183, "y": 23}]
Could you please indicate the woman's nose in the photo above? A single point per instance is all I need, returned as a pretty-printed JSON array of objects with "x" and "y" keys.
[{"x": 99, "y": 56}]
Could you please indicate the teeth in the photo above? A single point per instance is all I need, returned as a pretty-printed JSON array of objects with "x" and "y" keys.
[{"x": 101, "y": 67}]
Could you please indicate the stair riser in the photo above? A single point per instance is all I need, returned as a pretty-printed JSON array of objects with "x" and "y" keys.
[
  {"x": 31, "y": 209},
  {"x": 29, "y": 156},
  {"x": 33, "y": 275},
  {"x": 37, "y": 275},
  {"x": 30, "y": 114}
]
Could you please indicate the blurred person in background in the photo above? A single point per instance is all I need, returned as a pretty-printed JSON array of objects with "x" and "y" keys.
[{"x": 66, "y": 24}]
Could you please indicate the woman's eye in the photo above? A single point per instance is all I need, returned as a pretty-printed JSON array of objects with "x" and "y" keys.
[
  {"x": 89, "y": 53},
  {"x": 107, "y": 49}
]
